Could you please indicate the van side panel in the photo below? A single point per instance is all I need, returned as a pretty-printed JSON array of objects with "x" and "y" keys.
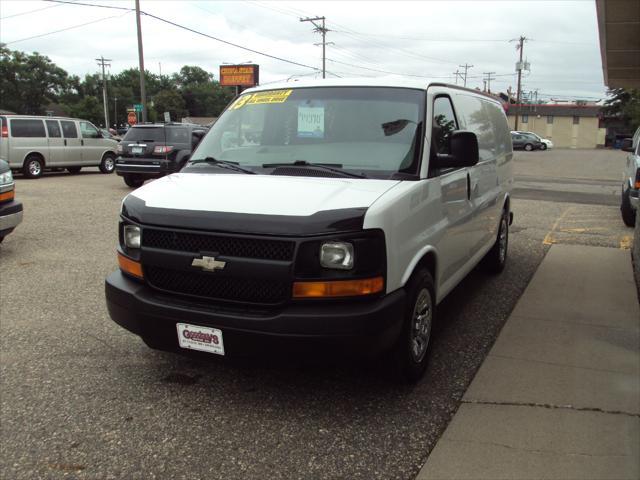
[{"x": 27, "y": 136}]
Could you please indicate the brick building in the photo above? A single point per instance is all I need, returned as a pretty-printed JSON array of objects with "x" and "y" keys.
[{"x": 566, "y": 125}]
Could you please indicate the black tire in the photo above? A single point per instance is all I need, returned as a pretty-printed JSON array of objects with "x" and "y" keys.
[
  {"x": 1, "y": 238},
  {"x": 528, "y": 147},
  {"x": 543, "y": 146},
  {"x": 411, "y": 351},
  {"x": 628, "y": 214},
  {"x": 108, "y": 163},
  {"x": 133, "y": 181},
  {"x": 74, "y": 170},
  {"x": 496, "y": 258},
  {"x": 33, "y": 167}
]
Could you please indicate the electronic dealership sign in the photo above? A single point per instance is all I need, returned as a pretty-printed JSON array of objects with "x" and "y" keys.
[{"x": 239, "y": 75}]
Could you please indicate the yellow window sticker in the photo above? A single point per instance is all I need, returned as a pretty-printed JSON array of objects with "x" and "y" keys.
[{"x": 271, "y": 96}]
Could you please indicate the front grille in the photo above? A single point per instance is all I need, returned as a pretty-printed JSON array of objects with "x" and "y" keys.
[
  {"x": 209, "y": 286},
  {"x": 227, "y": 246}
]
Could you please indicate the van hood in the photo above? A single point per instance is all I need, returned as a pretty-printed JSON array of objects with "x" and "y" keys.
[{"x": 263, "y": 204}]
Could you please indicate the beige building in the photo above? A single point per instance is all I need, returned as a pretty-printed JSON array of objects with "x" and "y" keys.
[{"x": 567, "y": 126}]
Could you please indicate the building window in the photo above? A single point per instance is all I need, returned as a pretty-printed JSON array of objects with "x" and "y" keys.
[
  {"x": 525, "y": 118},
  {"x": 576, "y": 120},
  {"x": 550, "y": 119}
]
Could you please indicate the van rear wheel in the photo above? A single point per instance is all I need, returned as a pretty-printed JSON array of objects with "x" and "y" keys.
[
  {"x": 628, "y": 215},
  {"x": 410, "y": 353},
  {"x": 33, "y": 167},
  {"x": 496, "y": 259}
]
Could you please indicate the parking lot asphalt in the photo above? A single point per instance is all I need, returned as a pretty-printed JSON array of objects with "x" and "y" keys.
[{"x": 82, "y": 398}]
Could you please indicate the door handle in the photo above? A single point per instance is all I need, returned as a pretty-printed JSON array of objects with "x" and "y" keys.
[
  {"x": 65, "y": 142},
  {"x": 468, "y": 187},
  {"x": 82, "y": 142}
]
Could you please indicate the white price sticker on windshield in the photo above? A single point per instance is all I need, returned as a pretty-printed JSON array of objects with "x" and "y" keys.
[{"x": 310, "y": 122}]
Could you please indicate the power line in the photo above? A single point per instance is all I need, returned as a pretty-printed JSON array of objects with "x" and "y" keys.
[
  {"x": 28, "y": 12},
  {"x": 65, "y": 29},
  {"x": 183, "y": 27},
  {"x": 90, "y": 5}
]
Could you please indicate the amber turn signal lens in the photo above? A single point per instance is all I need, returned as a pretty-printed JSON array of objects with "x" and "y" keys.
[
  {"x": 7, "y": 196},
  {"x": 338, "y": 288},
  {"x": 130, "y": 266},
  {"x": 637, "y": 185}
]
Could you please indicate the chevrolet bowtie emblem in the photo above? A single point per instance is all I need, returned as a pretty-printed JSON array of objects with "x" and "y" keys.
[{"x": 208, "y": 264}]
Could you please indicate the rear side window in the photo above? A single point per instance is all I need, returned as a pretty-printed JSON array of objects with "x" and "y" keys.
[
  {"x": 27, "y": 128},
  {"x": 177, "y": 135},
  {"x": 53, "y": 128},
  {"x": 69, "y": 129},
  {"x": 145, "y": 134},
  {"x": 444, "y": 124}
]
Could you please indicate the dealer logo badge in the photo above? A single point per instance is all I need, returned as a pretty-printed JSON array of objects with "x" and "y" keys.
[{"x": 208, "y": 264}]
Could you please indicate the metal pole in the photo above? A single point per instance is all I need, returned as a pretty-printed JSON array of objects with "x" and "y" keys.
[
  {"x": 323, "y": 30},
  {"x": 115, "y": 111},
  {"x": 521, "y": 47},
  {"x": 103, "y": 63},
  {"x": 143, "y": 95}
]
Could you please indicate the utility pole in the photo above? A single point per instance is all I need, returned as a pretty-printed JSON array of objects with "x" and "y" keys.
[
  {"x": 103, "y": 63},
  {"x": 323, "y": 30},
  {"x": 143, "y": 94},
  {"x": 115, "y": 111},
  {"x": 519, "y": 68},
  {"x": 466, "y": 68},
  {"x": 488, "y": 74},
  {"x": 456, "y": 74}
]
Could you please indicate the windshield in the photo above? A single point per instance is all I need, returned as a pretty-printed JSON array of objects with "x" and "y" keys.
[
  {"x": 375, "y": 131},
  {"x": 157, "y": 134}
]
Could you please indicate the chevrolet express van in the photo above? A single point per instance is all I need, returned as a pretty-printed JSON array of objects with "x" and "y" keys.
[
  {"x": 32, "y": 144},
  {"x": 333, "y": 214}
]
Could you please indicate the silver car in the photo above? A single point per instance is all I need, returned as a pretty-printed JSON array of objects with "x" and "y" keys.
[
  {"x": 31, "y": 144},
  {"x": 10, "y": 208},
  {"x": 631, "y": 181}
]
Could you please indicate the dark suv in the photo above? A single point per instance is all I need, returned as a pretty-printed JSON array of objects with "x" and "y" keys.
[{"x": 156, "y": 149}]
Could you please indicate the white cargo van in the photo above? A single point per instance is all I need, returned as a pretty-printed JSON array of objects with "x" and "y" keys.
[
  {"x": 330, "y": 214},
  {"x": 31, "y": 144}
]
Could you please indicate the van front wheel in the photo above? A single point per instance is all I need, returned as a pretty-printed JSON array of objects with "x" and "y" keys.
[
  {"x": 33, "y": 167},
  {"x": 411, "y": 350},
  {"x": 108, "y": 163}
]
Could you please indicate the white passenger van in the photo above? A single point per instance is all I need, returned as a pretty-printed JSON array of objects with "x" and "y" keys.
[
  {"x": 331, "y": 215},
  {"x": 31, "y": 144}
]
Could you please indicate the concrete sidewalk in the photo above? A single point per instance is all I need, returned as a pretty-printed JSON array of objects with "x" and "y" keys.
[{"x": 558, "y": 396}]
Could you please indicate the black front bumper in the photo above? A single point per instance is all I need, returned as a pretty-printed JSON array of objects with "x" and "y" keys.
[
  {"x": 10, "y": 216},
  {"x": 346, "y": 327}
]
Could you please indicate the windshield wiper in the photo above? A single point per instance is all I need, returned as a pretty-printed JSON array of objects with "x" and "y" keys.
[
  {"x": 330, "y": 167},
  {"x": 223, "y": 164}
]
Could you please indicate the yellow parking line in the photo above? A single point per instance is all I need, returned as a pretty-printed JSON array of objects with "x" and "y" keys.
[
  {"x": 625, "y": 242},
  {"x": 549, "y": 239}
]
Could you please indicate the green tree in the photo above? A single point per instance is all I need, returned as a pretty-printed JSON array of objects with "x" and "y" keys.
[
  {"x": 624, "y": 103},
  {"x": 169, "y": 101},
  {"x": 29, "y": 82},
  {"x": 88, "y": 108}
]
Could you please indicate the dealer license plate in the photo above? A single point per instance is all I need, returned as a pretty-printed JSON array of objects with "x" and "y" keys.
[
  {"x": 204, "y": 339},
  {"x": 137, "y": 149}
]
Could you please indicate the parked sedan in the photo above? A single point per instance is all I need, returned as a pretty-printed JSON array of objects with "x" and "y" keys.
[
  {"x": 10, "y": 209},
  {"x": 525, "y": 142},
  {"x": 546, "y": 143}
]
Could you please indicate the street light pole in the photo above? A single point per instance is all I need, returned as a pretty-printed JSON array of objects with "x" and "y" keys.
[{"x": 143, "y": 95}]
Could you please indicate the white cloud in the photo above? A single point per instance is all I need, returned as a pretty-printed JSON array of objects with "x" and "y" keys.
[{"x": 419, "y": 38}]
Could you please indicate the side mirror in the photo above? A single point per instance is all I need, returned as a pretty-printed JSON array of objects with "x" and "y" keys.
[
  {"x": 196, "y": 136},
  {"x": 627, "y": 145},
  {"x": 464, "y": 151}
]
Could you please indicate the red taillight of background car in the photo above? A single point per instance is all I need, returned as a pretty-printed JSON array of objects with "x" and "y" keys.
[
  {"x": 5, "y": 132},
  {"x": 162, "y": 149}
]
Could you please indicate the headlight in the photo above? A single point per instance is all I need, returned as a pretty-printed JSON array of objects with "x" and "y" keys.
[
  {"x": 6, "y": 178},
  {"x": 119, "y": 148},
  {"x": 338, "y": 255},
  {"x": 132, "y": 236}
]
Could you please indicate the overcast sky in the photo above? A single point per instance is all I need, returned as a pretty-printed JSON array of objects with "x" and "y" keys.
[{"x": 422, "y": 38}]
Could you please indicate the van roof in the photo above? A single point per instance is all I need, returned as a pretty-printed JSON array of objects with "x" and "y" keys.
[
  {"x": 388, "y": 81},
  {"x": 42, "y": 117}
]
